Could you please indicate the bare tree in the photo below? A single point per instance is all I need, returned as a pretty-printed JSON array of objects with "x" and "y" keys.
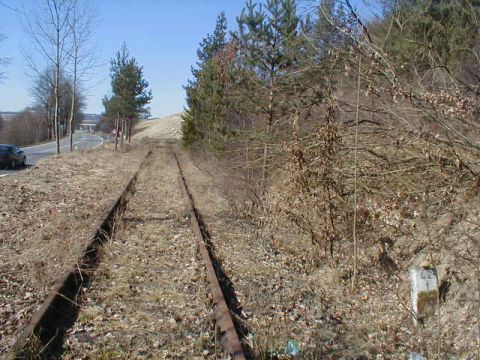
[
  {"x": 81, "y": 29},
  {"x": 42, "y": 91},
  {"x": 49, "y": 30}
]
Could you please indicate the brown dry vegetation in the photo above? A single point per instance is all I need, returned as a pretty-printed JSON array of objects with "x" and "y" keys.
[
  {"x": 47, "y": 216},
  {"x": 149, "y": 298},
  {"x": 417, "y": 194},
  {"x": 369, "y": 169},
  {"x": 291, "y": 286},
  {"x": 414, "y": 172}
]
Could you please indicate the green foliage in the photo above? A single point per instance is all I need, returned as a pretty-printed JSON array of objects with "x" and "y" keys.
[
  {"x": 242, "y": 77},
  {"x": 268, "y": 34},
  {"x": 131, "y": 96},
  {"x": 113, "y": 111},
  {"x": 128, "y": 85},
  {"x": 189, "y": 132},
  {"x": 270, "y": 49},
  {"x": 204, "y": 118},
  {"x": 213, "y": 43},
  {"x": 269, "y": 69},
  {"x": 438, "y": 33}
]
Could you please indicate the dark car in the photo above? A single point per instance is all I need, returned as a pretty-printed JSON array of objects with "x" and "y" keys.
[{"x": 11, "y": 156}]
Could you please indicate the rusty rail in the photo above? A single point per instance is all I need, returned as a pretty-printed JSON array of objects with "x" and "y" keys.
[
  {"x": 44, "y": 334},
  {"x": 224, "y": 322}
]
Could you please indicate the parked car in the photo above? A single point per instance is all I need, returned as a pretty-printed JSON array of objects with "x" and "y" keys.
[{"x": 11, "y": 156}]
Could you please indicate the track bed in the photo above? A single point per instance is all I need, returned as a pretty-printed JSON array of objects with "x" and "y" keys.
[{"x": 149, "y": 298}]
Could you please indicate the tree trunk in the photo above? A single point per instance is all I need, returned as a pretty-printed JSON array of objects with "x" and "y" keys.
[
  {"x": 52, "y": 124},
  {"x": 72, "y": 110},
  {"x": 47, "y": 120},
  {"x": 57, "y": 83},
  {"x": 130, "y": 127},
  {"x": 123, "y": 131},
  {"x": 55, "y": 118},
  {"x": 74, "y": 85},
  {"x": 267, "y": 134},
  {"x": 116, "y": 132}
]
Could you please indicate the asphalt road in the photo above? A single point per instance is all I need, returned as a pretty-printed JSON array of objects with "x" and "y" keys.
[{"x": 81, "y": 140}]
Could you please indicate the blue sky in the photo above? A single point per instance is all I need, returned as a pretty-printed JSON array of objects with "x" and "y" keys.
[{"x": 163, "y": 35}]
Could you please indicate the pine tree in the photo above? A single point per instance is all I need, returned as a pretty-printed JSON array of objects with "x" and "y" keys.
[
  {"x": 213, "y": 43},
  {"x": 267, "y": 34},
  {"x": 204, "y": 117},
  {"x": 129, "y": 88},
  {"x": 325, "y": 28},
  {"x": 269, "y": 37}
]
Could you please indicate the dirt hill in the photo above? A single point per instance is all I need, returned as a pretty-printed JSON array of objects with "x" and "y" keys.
[{"x": 161, "y": 128}]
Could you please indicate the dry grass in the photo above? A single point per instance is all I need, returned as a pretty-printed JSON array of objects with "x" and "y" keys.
[
  {"x": 292, "y": 288},
  {"x": 418, "y": 206},
  {"x": 149, "y": 298},
  {"x": 47, "y": 216},
  {"x": 277, "y": 301}
]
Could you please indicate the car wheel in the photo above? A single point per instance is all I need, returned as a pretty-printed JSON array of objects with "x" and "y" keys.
[{"x": 24, "y": 162}]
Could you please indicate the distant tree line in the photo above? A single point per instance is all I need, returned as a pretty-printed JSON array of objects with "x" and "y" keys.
[
  {"x": 36, "y": 123},
  {"x": 44, "y": 96}
]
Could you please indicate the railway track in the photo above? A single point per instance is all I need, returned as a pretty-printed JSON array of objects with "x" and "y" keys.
[
  {"x": 48, "y": 328},
  {"x": 228, "y": 335}
]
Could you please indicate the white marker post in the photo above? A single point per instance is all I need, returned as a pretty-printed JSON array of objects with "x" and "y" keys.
[
  {"x": 424, "y": 293},
  {"x": 415, "y": 356}
]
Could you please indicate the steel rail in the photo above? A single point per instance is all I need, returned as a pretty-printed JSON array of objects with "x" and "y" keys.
[{"x": 224, "y": 321}]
